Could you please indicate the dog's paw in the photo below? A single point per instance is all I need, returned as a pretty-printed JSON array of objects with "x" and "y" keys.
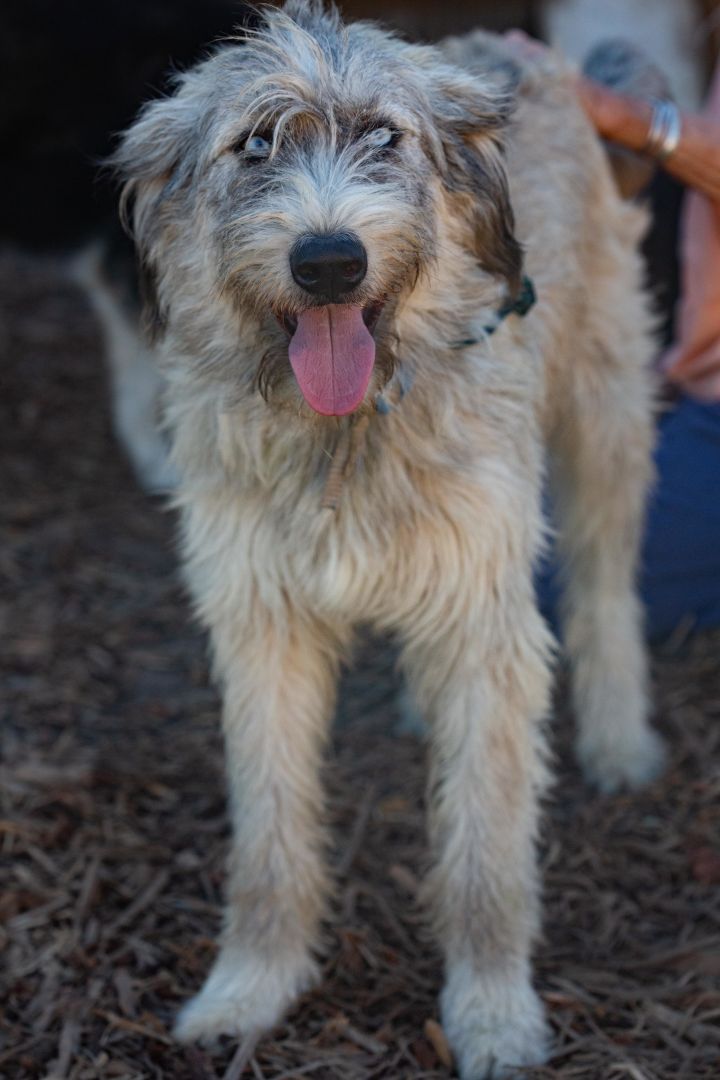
[
  {"x": 245, "y": 995},
  {"x": 613, "y": 760},
  {"x": 495, "y": 1026}
]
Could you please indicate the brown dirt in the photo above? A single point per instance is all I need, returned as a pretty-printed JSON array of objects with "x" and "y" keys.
[{"x": 113, "y": 826}]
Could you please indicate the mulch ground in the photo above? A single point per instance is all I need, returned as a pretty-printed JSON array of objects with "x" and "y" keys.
[{"x": 113, "y": 827}]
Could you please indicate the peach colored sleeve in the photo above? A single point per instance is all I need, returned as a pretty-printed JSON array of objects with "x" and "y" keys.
[{"x": 694, "y": 361}]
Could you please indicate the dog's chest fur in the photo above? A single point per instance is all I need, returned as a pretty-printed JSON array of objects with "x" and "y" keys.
[{"x": 429, "y": 481}]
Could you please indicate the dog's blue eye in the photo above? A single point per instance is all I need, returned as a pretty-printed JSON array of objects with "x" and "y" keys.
[
  {"x": 257, "y": 146},
  {"x": 382, "y": 137}
]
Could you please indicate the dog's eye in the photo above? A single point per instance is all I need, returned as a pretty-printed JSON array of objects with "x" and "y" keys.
[
  {"x": 382, "y": 137},
  {"x": 255, "y": 147}
]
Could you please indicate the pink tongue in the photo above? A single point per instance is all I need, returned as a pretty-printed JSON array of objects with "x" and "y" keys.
[{"x": 332, "y": 353}]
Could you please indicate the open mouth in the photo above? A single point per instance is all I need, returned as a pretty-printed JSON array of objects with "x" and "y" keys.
[{"x": 332, "y": 354}]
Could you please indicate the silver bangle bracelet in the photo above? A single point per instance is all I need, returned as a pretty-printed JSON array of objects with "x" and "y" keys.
[{"x": 665, "y": 130}]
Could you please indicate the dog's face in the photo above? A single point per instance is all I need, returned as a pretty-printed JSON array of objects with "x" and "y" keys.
[{"x": 301, "y": 181}]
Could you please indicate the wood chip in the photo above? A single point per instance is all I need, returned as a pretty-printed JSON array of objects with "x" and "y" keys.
[{"x": 437, "y": 1038}]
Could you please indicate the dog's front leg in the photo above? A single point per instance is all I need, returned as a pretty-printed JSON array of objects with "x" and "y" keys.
[
  {"x": 279, "y": 687},
  {"x": 483, "y": 686}
]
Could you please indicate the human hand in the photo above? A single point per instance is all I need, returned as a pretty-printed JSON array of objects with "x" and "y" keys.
[{"x": 697, "y": 373}]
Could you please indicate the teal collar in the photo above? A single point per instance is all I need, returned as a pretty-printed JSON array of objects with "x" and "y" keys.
[{"x": 522, "y": 303}]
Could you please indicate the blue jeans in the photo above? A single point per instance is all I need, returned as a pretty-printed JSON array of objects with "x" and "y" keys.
[{"x": 680, "y": 567}]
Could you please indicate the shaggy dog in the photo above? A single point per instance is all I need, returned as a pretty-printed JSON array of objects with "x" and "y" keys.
[{"x": 361, "y": 418}]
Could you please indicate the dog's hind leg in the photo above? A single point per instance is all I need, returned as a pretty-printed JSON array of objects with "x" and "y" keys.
[
  {"x": 279, "y": 685},
  {"x": 483, "y": 687},
  {"x": 600, "y": 475}
]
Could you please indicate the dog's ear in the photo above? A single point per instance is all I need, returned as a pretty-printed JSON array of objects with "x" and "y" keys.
[
  {"x": 155, "y": 159},
  {"x": 465, "y": 143}
]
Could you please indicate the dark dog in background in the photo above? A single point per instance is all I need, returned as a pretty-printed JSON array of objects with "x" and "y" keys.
[{"x": 72, "y": 76}]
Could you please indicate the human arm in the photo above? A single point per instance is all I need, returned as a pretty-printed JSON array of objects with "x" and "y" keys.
[{"x": 627, "y": 121}]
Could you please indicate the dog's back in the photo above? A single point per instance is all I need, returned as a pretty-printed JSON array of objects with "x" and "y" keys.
[
  {"x": 595, "y": 330},
  {"x": 580, "y": 238}
]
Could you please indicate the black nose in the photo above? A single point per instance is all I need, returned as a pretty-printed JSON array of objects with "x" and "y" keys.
[{"x": 328, "y": 266}]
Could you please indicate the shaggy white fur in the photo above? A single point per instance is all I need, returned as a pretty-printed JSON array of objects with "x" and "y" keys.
[{"x": 439, "y": 524}]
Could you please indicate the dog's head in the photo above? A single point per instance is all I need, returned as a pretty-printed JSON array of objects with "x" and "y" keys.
[{"x": 301, "y": 180}]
